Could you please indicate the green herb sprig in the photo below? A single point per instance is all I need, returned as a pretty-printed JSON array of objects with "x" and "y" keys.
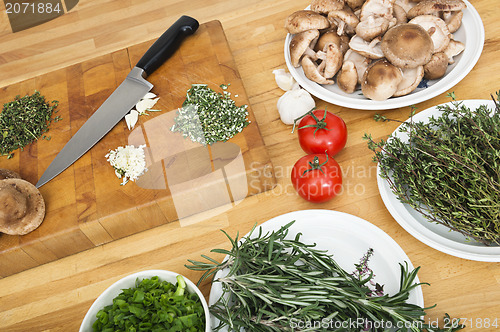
[
  {"x": 153, "y": 305},
  {"x": 449, "y": 169},
  {"x": 24, "y": 120},
  {"x": 207, "y": 116},
  {"x": 272, "y": 281}
]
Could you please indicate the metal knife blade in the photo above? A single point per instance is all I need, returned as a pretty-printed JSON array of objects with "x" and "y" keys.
[{"x": 121, "y": 101}]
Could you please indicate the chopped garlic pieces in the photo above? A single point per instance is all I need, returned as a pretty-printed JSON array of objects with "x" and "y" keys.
[{"x": 128, "y": 161}]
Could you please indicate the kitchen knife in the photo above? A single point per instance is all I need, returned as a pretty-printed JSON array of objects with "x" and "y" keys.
[{"x": 121, "y": 101}]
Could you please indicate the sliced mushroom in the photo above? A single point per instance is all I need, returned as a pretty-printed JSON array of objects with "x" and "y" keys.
[
  {"x": 311, "y": 71},
  {"x": 303, "y": 20},
  {"x": 407, "y": 46},
  {"x": 345, "y": 20},
  {"x": 435, "y": 7},
  {"x": 22, "y": 207},
  {"x": 436, "y": 67},
  {"x": 436, "y": 28},
  {"x": 347, "y": 78},
  {"x": 453, "y": 20},
  {"x": 381, "y": 80},
  {"x": 372, "y": 27},
  {"x": 411, "y": 79},
  {"x": 302, "y": 44},
  {"x": 454, "y": 48},
  {"x": 380, "y": 8},
  {"x": 360, "y": 63},
  {"x": 326, "y": 6},
  {"x": 370, "y": 50}
]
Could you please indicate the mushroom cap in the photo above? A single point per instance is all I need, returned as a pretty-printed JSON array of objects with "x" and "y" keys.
[
  {"x": 381, "y": 80},
  {"x": 436, "y": 28},
  {"x": 372, "y": 27},
  {"x": 400, "y": 14},
  {"x": 407, "y": 46},
  {"x": 381, "y": 8},
  {"x": 347, "y": 78},
  {"x": 22, "y": 207},
  {"x": 327, "y": 37},
  {"x": 453, "y": 20},
  {"x": 344, "y": 16},
  {"x": 333, "y": 60},
  {"x": 430, "y": 7},
  {"x": 8, "y": 174},
  {"x": 300, "y": 43},
  {"x": 326, "y": 6},
  {"x": 454, "y": 48},
  {"x": 354, "y": 4},
  {"x": 303, "y": 20},
  {"x": 411, "y": 80},
  {"x": 361, "y": 63},
  {"x": 436, "y": 67},
  {"x": 311, "y": 71}
]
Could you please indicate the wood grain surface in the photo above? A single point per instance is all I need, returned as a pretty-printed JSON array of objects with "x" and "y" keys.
[{"x": 55, "y": 296}]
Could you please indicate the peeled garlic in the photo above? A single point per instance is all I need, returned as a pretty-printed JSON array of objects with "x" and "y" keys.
[
  {"x": 131, "y": 119},
  {"x": 145, "y": 104},
  {"x": 284, "y": 80},
  {"x": 149, "y": 95}
]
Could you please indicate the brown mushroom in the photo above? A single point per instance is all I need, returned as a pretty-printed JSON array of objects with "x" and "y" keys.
[
  {"x": 330, "y": 36},
  {"x": 8, "y": 174},
  {"x": 303, "y": 20},
  {"x": 379, "y": 8},
  {"x": 372, "y": 27},
  {"x": 22, "y": 207},
  {"x": 400, "y": 14},
  {"x": 436, "y": 67},
  {"x": 347, "y": 78},
  {"x": 407, "y": 46},
  {"x": 453, "y": 49},
  {"x": 354, "y": 4},
  {"x": 360, "y": 63},
  {"x": 436, "y": 28},
  {"x": 411, "y": 79},
  {"x": 311, "y": 71},
  {"x": 370, "y": 49},
  {"x": 332, "y": 62},
  {"x": 381, "y": 80},
  {"x": 435, "y": 7},
  {"x": 326, "y": 6},
  {"x": 301, "y": 44},
  {"x": 453, "y": 20},
  {"x": 345, "y": 20}
]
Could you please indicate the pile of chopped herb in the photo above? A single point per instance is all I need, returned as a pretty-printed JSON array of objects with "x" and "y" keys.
[
  {"x": 449, "y": 168},
  {"x": 24, "y": 120},
  {"x": 207, "y": 116},
  {"x": 153, "y": 305}
]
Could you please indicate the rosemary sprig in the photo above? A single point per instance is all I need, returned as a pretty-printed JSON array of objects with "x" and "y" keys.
[
  {"x": 270, "y": 281},
  {"x": 449, "y": 170},
  {"x": 24, "y": 120}
]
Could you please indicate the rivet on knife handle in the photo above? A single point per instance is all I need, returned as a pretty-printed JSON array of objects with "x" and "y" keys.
[{"x": 166, "y": 45}]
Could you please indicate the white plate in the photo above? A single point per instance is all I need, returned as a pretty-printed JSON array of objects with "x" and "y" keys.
[
  {"x": 471, "y": 33},
  {"x": 347, "y": 238},
  {"x": 435, "y": 235}
]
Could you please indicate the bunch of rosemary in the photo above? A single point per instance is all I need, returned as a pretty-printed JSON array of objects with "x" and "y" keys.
[
  {"x": 207, "y": 116},
  {"x": 24, "y": 120},
  {"x": 274, "y": 282},
  {"x": 449, "y": 168}
]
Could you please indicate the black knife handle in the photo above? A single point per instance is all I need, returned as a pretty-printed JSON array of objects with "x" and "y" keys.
[{"x": 167, "y": 44}]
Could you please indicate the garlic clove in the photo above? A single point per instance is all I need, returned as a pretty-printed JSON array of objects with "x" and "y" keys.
[
  {"x": 145, "y": 104},
  {"x": 284, "y": 80},
  {"x": 131, "y": 119},
  {"x": 149, "y": 95}
]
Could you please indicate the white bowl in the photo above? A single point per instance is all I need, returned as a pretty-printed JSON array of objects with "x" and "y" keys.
[{"x": 106, "y": 298}]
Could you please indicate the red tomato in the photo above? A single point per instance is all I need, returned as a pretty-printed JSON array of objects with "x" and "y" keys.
[
  {"x": 317, "y": 177},
  {"x": 321, "y": 131}
]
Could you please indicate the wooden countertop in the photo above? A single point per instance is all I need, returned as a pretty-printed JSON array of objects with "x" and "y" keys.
[{"x": 56, "y": 295}]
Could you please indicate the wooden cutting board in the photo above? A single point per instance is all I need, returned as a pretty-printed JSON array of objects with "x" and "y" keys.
[{"x": 85, "y": 205}]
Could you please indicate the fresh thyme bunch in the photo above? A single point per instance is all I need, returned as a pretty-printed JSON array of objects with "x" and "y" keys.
[
  {"x": 273, "y": 281},
  {"x": 449, "y": 169}
]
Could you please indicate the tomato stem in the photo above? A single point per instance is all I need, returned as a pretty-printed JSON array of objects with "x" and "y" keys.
[
  {"x": 320, "y": 124},
  {"x": 316, "y": 165}
]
